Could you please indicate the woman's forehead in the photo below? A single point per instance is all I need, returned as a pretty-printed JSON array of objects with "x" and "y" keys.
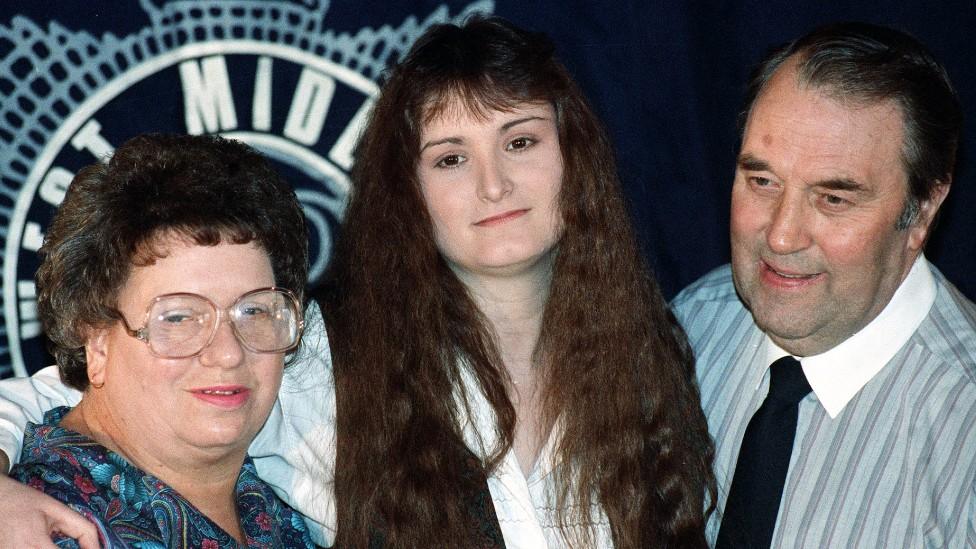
[
  {"x": 470, "y": 101},
  {"x": 457, "y": 107}
]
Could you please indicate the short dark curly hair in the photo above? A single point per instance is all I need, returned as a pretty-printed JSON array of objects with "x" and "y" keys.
[{"x": 204, "y": 189}]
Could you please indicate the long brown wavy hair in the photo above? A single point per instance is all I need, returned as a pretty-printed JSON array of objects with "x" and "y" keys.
[{"x": 616, "y": 369}]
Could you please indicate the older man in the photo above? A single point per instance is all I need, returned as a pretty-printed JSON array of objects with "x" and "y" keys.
[{"x": 837, "y": 366}]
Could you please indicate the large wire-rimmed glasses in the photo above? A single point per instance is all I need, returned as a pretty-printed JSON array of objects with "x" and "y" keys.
[{"x": 182, "y": 325}]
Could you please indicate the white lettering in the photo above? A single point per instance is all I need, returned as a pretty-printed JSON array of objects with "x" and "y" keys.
[
  {"x": 309, "y": 105},
  {"x": 89, "y": 138},
  {"x": 30, "y": 329},
  {"x": 29, "y": 326},
  {"x": 26, "y": 289},
  {"x": 55, "y": 184},
  {"x": 261, "y": 113},
  {"x": 207, "y": 100},
  {"x": 33, "y": 237},
  {"x": 341, "y": 151}
]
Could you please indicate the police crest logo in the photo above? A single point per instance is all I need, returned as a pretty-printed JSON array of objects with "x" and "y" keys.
[{"x": 269, "y": 73}]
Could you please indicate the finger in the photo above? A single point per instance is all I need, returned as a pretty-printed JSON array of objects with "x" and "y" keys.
[
  {"x": 86, "y": 540},
  {"x": 89, "y": 540},
  {"x": 74, "y": 525}
]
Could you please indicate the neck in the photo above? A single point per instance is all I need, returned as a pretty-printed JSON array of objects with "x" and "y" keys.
[
  {"x": 207, "y": 481},
  {"x": 514, "y": 307}
]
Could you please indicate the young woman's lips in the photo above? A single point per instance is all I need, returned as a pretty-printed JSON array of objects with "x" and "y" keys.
[
  {"x": 224, "y": 396},
  {"x": 785, "y": 278},
  {"x": 501, "y": 218}
]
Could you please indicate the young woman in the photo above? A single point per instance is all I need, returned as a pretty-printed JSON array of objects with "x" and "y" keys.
[{"x": 488, "y": 300}]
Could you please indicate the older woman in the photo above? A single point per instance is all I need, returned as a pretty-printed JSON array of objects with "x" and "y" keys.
[
  {"x": 166, "y": 289},
  {"x": 505, "y": 369}
]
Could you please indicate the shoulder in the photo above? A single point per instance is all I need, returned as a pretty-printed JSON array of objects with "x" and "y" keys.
[
  {"x": 310, "y": 366},
  {"x": 948, "y": 333},
  {"x": 61, "y": 476},
  {"x": 67, "y": 466},
  {"x": 51, "y": 453},
  {"x": 709, "y": 302},
  {"x": 266, "y": 519},
  {"x": 715, "y": 287},
  {"x": 306, "y": 400},
  {"x": 934, "y": 374},
  {"x": 295, "y": 451}
]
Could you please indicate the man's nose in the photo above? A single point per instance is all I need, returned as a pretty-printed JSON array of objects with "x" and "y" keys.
[{"x": 787, "y": 231}]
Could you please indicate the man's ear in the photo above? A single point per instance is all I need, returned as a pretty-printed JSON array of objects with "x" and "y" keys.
[
  {"x": 927, "y": 210},
  {"x": 96, "y": 355}
]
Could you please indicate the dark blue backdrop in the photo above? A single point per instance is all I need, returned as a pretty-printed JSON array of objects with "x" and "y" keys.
[{"x": 666, "y": 77}]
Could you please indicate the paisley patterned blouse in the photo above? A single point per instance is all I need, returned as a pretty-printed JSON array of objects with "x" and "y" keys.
[{"x": 132, "y": 508}]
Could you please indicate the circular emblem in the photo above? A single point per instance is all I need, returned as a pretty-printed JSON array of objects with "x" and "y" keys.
[{"x": 268, "y": 74}]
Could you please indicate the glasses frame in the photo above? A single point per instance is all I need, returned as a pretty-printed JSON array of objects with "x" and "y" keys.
[{"x": 142, "y": 333}]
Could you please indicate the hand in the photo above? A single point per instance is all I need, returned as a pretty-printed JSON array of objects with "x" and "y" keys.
[{"x": 29, "y": 517}]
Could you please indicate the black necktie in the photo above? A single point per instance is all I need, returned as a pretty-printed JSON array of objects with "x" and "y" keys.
[{"x": 757, "y": 487}]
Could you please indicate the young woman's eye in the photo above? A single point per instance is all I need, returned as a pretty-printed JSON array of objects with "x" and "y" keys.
[
  {"x": 520, "y": 143},
  {"x": 450, "y": 161}
]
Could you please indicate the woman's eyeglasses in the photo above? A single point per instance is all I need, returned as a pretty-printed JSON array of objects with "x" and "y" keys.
[{"x": 182, "y": 325}]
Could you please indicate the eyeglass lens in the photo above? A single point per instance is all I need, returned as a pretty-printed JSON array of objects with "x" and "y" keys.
[{"x": 182, "y": 325}]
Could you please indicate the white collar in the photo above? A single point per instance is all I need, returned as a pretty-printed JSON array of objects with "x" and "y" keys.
[{"x": 838, "y": 374}]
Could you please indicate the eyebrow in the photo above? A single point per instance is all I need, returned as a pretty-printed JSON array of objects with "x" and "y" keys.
[
  {"x": 457, "y": 140},
  {"x": 452, "y": 140},
  {"x": 755, "y": 164},
  {"x": 842, "y": 184},
  {"x": 512, "y": 123}
]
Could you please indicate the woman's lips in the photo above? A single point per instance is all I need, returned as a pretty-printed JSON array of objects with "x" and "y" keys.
[
  {"x": 501, "y": 218},
  {"x": 224, "y": 396}
]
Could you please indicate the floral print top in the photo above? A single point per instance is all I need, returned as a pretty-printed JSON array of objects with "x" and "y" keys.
[{"x": 132, "y": 508}]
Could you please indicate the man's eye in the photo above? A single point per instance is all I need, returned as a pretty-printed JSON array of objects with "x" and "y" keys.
[
  {"x": 760, "y": 181},
  {"x": 834, "y": 200},
  {"x": 450, "y": 161}
]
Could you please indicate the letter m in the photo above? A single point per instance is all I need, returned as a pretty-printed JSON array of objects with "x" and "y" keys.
[{"x": 207, "y": 98}]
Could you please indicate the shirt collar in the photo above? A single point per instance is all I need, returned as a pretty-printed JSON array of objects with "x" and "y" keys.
[{"x": 838, "y": 374}]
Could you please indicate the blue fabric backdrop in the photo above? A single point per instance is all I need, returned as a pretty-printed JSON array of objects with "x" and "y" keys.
[{"x": 290, "y": 77}]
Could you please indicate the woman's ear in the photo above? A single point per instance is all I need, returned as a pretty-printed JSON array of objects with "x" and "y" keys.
[{"x": 96, "y": 355}]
